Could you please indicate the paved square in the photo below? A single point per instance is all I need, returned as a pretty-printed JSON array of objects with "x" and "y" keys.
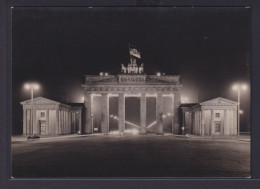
[{"x": 131, "y": 156}]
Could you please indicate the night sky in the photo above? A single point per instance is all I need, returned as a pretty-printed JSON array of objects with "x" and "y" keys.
[{"x": 56, "y": 47}]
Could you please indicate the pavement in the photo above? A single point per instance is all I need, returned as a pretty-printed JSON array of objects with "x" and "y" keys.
[
  {"x": 131, "y": 156},
  {"x": 245, "y": 138}
]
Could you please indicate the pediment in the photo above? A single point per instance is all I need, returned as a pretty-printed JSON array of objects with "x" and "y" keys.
[
  {"x": 40, "y": 100},
  {"x": 219, "y": 101}
]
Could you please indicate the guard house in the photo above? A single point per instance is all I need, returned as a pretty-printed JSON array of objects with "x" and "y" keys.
[
  {"x": 132, "y": 81},
  {"x": 42, "y": 116},
  {"x": 214, "y": 117}
]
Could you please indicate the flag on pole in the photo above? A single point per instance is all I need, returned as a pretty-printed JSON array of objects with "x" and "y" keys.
[{"x": 135, "y": 53}]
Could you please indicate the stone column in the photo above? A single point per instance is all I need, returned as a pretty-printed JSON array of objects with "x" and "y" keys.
[
  {"x": 47, "y": 123},
  {"x": 63, "y": 122},
  {"x": 212, "y": 126},
  {"x": 222, "y": 123},
  {"x": 24, "y": 122},
  {"x": 70, "y": 126},
  {"x": 35, "y": 124},
  {"x": 80, "y": 122},
  {"x": 28, "y": 121},
  {"x": 88, "y": 119},
  {"x": 57, "y": 122},
  {"x": 143, "y": 113},
  {"x": 31, "y": 122},
  {"x": 67, "y": 123},
  {"x": 177, "y": 103},
  {"x": 105, "y": 114},
  {"x": 226, "y": 125},
  {"x": 121, "y": 113},
  {"x": 60, "y": 122},
  {"x": 172, "y": 112},
  {"x": 159, "y": 114},
  {"x": 183, "y": 121},
  {"x": 200, "y": 122}
]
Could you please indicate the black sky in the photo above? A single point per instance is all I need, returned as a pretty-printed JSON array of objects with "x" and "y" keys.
[{"x": 208, "y": 47}]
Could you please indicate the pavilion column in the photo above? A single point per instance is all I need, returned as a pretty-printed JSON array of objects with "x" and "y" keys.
[
  {"x": 121, "y": 113},
  {"x": 183, "y": 122},
  {"x": 176, "y": 106},
  {"x": 62, "y": 122},
  {"x": 88, "y": 114},
  {"x": 80, "y": 123},
  {"x": 226, "y": 123},
  {"x": 31, "y": 122},
  {"x": 66, "y": 122},
  {"x": 203, "y": 116},
  {"x": 143, "y": 113},
  {"x": 28, "y": 121},
  {"x": 69, "y": 120},
  {"x": 47, "y": 123},
  {"x": 57, "y": 122},
  {"x": 105, "y": 114},
  {"x": 35, "y": 125},
  {"x": 212, "y": 126},
  {"x": 159, "y": 114},
  {"x": 24, "y": 122}
]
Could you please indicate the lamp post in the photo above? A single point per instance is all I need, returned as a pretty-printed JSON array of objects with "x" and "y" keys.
[
  {"x": 238, "y": 88},
  {"x": 31, "y": 86}
]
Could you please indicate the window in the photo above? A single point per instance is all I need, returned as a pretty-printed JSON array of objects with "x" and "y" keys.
[
  {"x": 42, "y": 114},
  {"x": 217, "y": 115},
  {"x": 217, "y": 127}
]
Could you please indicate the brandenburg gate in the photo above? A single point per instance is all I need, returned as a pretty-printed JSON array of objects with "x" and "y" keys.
[{"x": 132, "y": 81}]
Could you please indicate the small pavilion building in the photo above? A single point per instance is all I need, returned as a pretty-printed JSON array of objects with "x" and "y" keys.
[
  {"x": 214, "y": 117},
  {"x": 42, "y": 116}
]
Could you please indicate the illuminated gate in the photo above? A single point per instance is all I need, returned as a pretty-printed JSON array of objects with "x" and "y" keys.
[{"x": 133, "y": 82}]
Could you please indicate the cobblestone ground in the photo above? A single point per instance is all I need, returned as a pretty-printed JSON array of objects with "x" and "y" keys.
[{"x": 131, "y": 156}]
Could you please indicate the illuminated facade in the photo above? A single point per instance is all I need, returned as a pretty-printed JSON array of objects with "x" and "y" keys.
[
  {"x": 47, "y": 117},
  {"x": 214, "y": 117},
  {"x": 125, "y": 85}
]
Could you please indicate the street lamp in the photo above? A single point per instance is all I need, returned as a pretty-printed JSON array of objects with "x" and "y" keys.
[
  {"x": 238, "y": 88},
  {"x": 31, "y": 86}
]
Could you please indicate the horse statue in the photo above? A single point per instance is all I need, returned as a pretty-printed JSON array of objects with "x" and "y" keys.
[
  {"x": 141, "y": 68},
  {"x": 123, "y": 68}
]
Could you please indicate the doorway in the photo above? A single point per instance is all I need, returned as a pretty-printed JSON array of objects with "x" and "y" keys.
[{"x": 42, "y": 127}]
